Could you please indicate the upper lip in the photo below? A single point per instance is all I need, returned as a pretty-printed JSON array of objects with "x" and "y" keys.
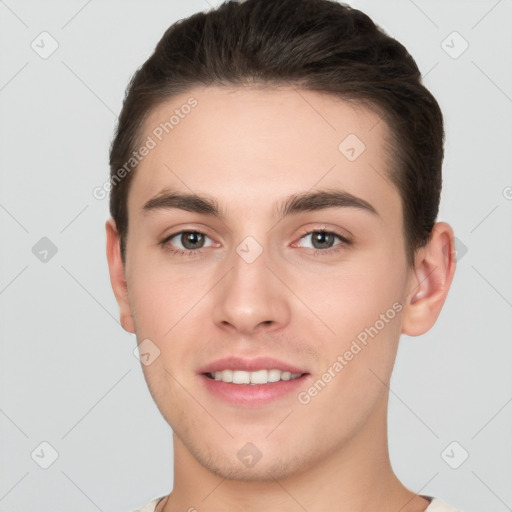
[{"x": 249, "y": 365}]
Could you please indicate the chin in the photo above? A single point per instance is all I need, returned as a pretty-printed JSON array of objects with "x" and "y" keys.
[{"x": 249, "y": 464}]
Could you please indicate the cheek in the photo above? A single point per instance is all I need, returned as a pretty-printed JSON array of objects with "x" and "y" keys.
[
  {"x": 356, "y": 366},
  {"x": 170, "y": 312},
  {"x": 360, "y": 303},
  {"x": 163, "y": 296},
  {"x": 166, "y": 304},
  {"x": 352, "y": 295}
]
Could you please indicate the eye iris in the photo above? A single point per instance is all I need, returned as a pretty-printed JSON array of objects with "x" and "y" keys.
[
  {"x": 191, "y": 240},
  {"x": 322, "y": 240}
]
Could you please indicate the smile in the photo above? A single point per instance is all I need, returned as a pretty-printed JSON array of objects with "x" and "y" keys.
[{"x": 255, "y": 377}]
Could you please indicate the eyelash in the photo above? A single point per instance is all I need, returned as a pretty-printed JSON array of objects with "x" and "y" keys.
[{"x": 317, "y": 252}]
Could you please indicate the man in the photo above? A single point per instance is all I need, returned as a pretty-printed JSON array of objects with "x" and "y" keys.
[{"x": 276, "y": 176}]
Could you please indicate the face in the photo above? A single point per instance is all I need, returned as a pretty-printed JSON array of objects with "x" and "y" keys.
[{"x": 265, "y": 235}]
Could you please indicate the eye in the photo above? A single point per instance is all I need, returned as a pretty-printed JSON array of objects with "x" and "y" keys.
[
  {"x": 323, "y": 241},
  {"x": 186, "y": 242}
]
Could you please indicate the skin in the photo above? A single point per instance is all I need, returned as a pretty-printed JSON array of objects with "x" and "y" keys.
[{"x": 251, "y": 149}]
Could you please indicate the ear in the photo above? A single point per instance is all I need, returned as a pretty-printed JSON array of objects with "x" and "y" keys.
[
  {"x": 429, "y": 281},
  {"x": 117, "y": 276}
]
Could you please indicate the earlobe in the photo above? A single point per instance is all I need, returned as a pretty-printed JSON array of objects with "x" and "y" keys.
[
  {"x": 430, "y": 281},
  {"x": 117, "y": 276}
]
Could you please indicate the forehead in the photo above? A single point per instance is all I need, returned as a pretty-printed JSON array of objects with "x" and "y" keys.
[{"x": 247, "y": 145}]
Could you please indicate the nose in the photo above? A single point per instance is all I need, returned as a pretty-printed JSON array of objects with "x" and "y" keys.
[{"x": 251, "y": 298}]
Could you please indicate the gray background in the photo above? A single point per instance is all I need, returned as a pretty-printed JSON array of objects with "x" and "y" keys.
[{"x": 68, "y": 374}]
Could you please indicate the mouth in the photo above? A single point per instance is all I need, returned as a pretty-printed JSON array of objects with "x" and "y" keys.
[
  {"x": 252, "y": 383},
  {"x": 259, "y": 377}
]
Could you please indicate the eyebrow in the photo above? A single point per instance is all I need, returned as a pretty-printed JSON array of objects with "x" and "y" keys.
[{"x": 307, "y": 201}]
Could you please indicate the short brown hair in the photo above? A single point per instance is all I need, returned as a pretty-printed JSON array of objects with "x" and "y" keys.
[{"x": 317, "y": 45}]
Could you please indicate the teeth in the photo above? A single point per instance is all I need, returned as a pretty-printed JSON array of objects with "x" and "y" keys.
[
  {"x": 257, "y": 377},
  {"x": 274, "y": 375},
  {"x": 239, "y": 377}
]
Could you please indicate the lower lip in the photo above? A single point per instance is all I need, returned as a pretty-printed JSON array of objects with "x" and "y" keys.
[{"x": 255, "y": 395}]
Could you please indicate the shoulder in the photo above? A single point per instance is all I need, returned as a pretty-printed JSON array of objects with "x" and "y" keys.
[
  {"x": 151, "y": 506},
  {"x": 438, "y": 505}
]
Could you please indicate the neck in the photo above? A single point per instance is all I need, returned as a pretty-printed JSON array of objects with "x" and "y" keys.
[{"x": 355, "y": 477}]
